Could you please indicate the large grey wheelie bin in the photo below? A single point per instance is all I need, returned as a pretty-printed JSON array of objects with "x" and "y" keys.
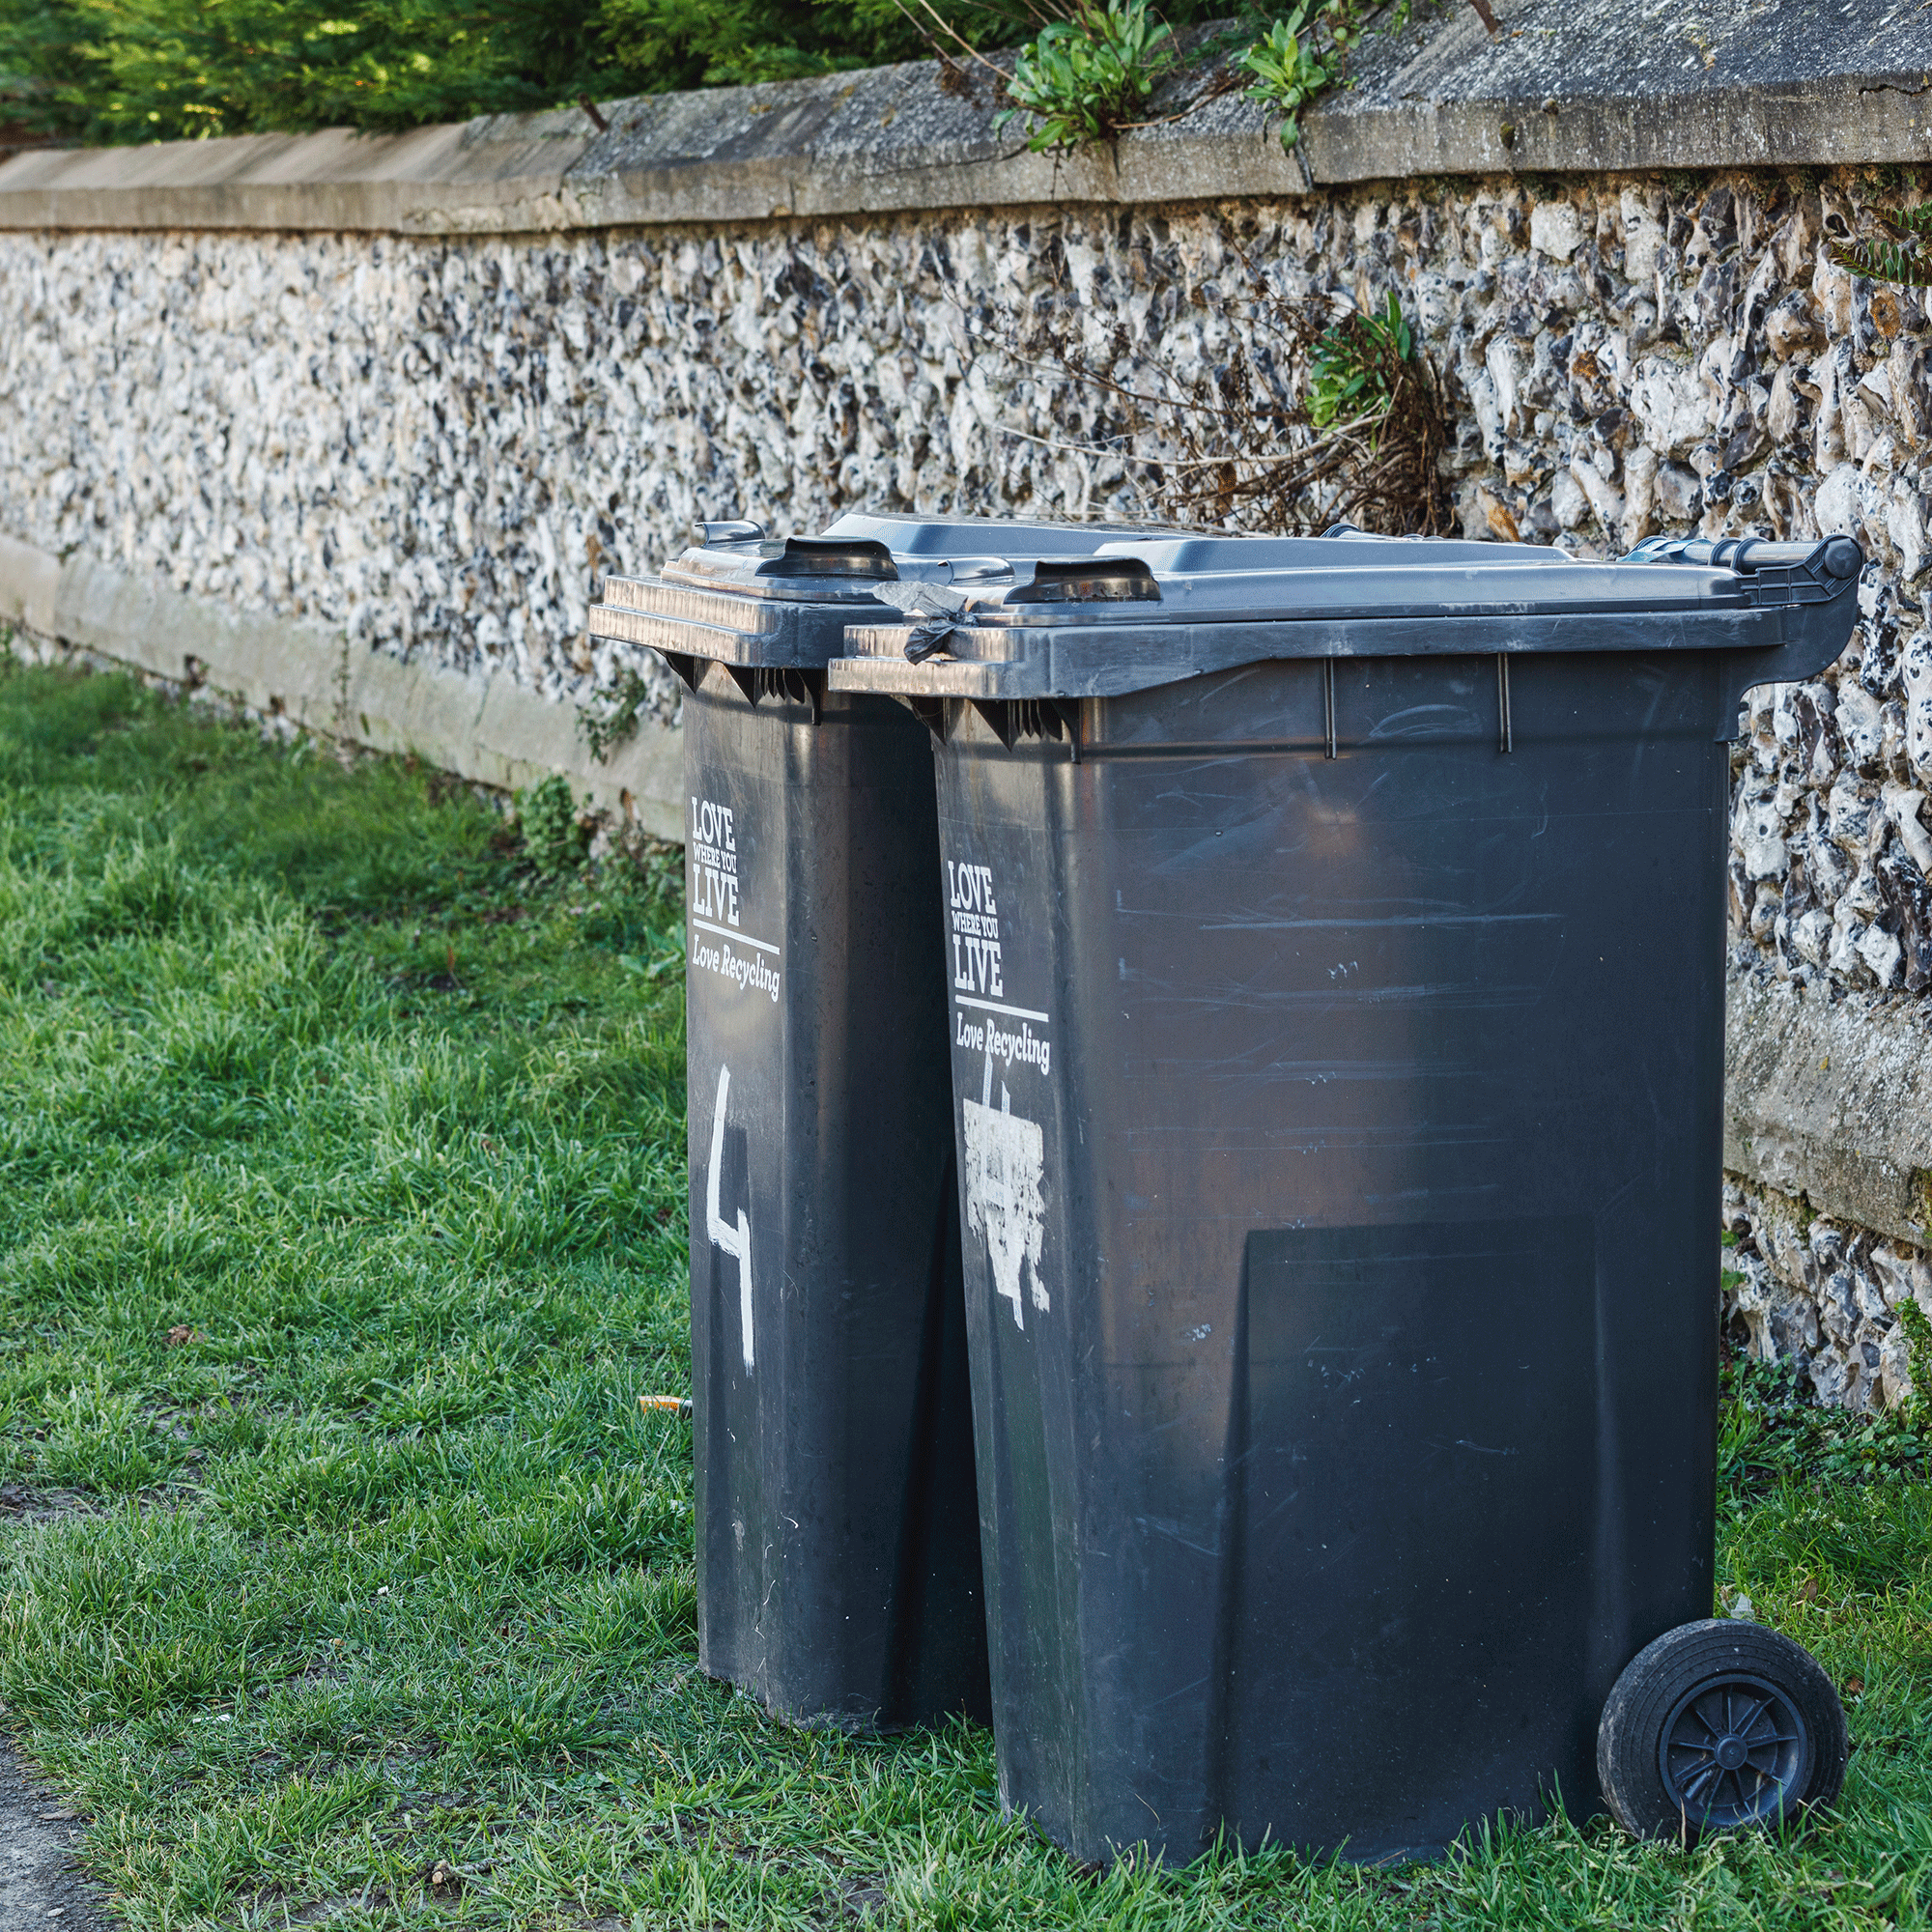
[
  {"x": 1335, "y": 945},
  {"x": 837, "y": 1538}
]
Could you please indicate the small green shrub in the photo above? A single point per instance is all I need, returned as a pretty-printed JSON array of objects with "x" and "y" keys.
[
  {"x": 1355, "y": 368},
  {"x": 1087, "y": 77},
  {"x": 611, "y": 717},
  {"x": 546, "y": 815},
  {"x": 1302, "y": 54},
  {"x": 1326, "y": 415},
  {"x": 1912, "y": 1318},
  {"x": 1773, "y": 1430}
]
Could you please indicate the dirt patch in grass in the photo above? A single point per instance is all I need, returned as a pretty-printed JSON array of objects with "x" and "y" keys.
[
  {"x": 42, "y": 1884},
  {"x": 21, "y": 1504}
]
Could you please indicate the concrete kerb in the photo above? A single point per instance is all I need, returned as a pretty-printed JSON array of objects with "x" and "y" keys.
[
  {"x": 29, "y": 580},
  {"x": 488, "y": 729}
]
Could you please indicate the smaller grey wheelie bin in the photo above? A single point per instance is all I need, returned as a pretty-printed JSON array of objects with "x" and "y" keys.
[
  {"x": 837, "y": 1534},
  {"x": 1334, "y": 952}
]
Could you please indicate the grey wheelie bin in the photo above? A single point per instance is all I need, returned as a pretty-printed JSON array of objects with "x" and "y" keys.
[
  {"x": 1335, "y": 944},
  {"x": 837, "y": 1537}
]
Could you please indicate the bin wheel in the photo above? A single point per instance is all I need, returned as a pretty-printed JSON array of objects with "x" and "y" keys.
[{"x": 1719, "y": 1725}]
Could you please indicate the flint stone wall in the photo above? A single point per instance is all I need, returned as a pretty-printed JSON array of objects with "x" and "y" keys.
[
  {"x": 435, "y": 445},
  {"x": 1823, "y": 1296},
  {"x": 426, "y": 447}
]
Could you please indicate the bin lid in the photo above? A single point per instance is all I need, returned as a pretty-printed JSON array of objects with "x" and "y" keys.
[
  {"x": 741, "y": 597},
  {"x": 1150, "y": 610}
]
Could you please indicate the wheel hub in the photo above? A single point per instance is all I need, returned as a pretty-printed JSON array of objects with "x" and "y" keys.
[{"x": 1734, "y": 1752}]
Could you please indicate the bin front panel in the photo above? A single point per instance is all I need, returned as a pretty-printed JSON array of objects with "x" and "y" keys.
[
  {"x": 1339, "y": 1147},
  {"x": 838, "y": 1548}
]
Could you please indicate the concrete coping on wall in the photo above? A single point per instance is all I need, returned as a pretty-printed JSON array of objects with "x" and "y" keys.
[
  {"x": 1827, "y": 1095},
  {"x": 1609, "y": 89}
]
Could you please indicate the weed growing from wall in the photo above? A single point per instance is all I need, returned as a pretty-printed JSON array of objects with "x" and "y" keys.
[
  {"x": 1898, "y": 255},
  {"x": 1087, "y": 77},
  {"x": 1356, "y": 365},
  {"x": 1329, "y": 414},
  {"x": 1302, "y": 54},
  {"x": 611, "y": 718}
]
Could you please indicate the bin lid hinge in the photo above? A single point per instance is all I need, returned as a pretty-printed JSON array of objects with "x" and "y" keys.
[
  {"x": 998, "y": 713},
  {"x": 929, "y": 711},
  {"x": 788, "y": 684}
]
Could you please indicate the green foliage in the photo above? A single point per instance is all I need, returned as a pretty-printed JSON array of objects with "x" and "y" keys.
[
  {"x": 713, "y": 42},
  {"x": 1355, "y": 369},
  {"x": 1916, "y": 1324},
  {"x": 160, "y": 70},
  {"x": 1885, "y": 262},
  {"x": 1770, "y": 1430},
  {"x": 547, "y": 814},
  {"x": 1898, "y": 256},
  {"x": 1086, "y": 77},
  {"x": 164, "y": 69},
  {"x": 107, "y": 71},
  {"x": 1302, "y": 54},
  {"x": 611, "y": 717}
]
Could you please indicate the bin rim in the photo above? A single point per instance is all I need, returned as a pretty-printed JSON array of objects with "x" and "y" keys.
[
  {"x": 741, "y": 598},
  {"x": 1775, "y": 611}
]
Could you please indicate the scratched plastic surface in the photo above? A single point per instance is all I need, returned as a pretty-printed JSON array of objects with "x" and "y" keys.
[{"x": 1338, "y": 1069}]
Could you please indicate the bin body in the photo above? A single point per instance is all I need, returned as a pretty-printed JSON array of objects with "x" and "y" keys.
[
  {"x": 1337, "y": 1043},
  {"x": 1367, "y": 1430},
  {"x": 837, "y": 1545},
  {"x": 838, "y": 1561}
]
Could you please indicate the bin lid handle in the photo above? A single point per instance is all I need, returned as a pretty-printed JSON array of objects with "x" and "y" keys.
[
  {"x": 819, "y": 556},
  {"x": 1098, "y": 580}
]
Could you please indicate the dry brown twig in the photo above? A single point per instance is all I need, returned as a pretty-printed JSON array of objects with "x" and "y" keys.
[
  {"x": 935, "y": 30},
  {"x": 1239, "y": 444}
]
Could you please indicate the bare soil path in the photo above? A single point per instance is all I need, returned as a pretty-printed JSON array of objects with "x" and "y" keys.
[{"x": 41, "y": 1886}]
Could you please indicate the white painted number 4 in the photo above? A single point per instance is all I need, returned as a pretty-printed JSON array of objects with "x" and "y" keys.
[{"x": 736, "y": 1241}]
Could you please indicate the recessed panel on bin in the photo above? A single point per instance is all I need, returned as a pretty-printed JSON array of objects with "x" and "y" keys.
[{"x": 1397, "y": 1596}]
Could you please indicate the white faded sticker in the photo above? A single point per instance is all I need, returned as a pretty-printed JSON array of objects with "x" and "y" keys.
[
  {"x": 1005, "y": 1157},
  {"x": 713, "y": 894}
]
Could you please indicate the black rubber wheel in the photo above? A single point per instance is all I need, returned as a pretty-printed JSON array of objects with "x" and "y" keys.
[{"x": 1718, "y": 1726}]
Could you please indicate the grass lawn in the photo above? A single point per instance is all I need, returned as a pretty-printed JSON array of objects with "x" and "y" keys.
[{"x": 342, "y": 1576}]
